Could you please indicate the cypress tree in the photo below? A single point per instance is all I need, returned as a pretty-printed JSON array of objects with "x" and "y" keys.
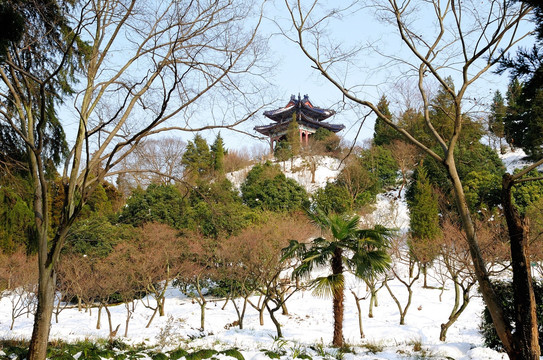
[{"x": 424, "y": 221}]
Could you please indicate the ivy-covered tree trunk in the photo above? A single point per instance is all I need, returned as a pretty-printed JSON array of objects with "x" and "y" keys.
[{"x": 526, "y": 329}]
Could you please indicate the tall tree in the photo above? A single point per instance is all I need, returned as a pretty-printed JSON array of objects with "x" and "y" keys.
[
  {"x": 218, "y": 152},
  {"x": 382, "y": 133},
  {"x": 197, "y": 158},
  {"x": 461, "y": 39},
  {"x": 344, "y": 247},
  {"x": 117, "y": 103},
  {"x": 496, "y": 119},
  {"x": 424, "y": 229}
]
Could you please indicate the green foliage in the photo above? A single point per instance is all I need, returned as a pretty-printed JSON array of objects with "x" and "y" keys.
[
  {"x": 177, "y": 354},
  {"x": 378, "y": 161},
  {"x": 485, "y": 167},
  {"x": 383, "y": 134},
  {"x": 201, "y": 354},
  {"x": 96, "y": 236},
  {"x": 442, "y": 115},
  {"x": 527, "y": 194},
  {"x": 293, "y": 136},
  {"x": 282, "y": 151},
  {"x": 424, "y": 219},
  {"x": 504, "y": 290},
  {"x": 267, "y": 188},
  {"x": 216, "y": 209},
  {"x": 197, "y": 159},
  {"x": 496, "y": 118},
  {"x": 217, "y": 153},
  {"x": 16, "y": 220},
  {"x": 482, "y": 188},
  {"x": 158, "y": 203},
  {"x": 329, "y": 140},
  {"x": 233, "y": 353},
  {"x": 333, "y": 198}
]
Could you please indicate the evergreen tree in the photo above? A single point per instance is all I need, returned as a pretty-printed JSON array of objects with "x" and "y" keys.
[
  {"x": 424, "y": 221},
  {"x": 293, "y": 136},
  {"x": 383, "y": 134},
  {"x": 496, "y": 118},
  {"x": 197, "y": 158},
  {"x": 217, "y": 153}
]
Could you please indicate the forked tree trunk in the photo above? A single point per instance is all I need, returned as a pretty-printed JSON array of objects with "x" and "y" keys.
[{"x": 526, "y": 329}]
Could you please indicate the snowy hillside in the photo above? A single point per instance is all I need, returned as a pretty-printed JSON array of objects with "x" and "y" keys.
[{"x": 326, "y": 170}]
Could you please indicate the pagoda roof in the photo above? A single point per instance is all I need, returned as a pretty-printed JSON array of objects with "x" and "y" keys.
[
  {"x": 300, "y": 106},
  {"x": 303, "y": 120}
]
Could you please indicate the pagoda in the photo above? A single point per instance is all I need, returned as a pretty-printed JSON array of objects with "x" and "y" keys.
[{"x": 308, "y": 117}]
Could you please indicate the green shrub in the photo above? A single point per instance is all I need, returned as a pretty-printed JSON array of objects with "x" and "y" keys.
[{"x": 267, "y": 188}]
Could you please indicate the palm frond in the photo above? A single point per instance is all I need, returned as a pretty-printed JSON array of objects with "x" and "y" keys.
[
  {"x": 328, "y": 286},
  {"x": 294, "y": 249}
]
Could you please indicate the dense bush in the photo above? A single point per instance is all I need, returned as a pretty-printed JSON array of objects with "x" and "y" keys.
[
  {"x": 267, "y": 188},
  {"x": 504, "y": 289},
  {"x": 333, "y": 199}
]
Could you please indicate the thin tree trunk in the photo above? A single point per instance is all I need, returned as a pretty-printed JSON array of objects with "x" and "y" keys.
[
  {"x": 99, "y": 317},
  {"x": 457, "y": 310},
  {"x": 274, "y": 320},
  {"x": 357, "y": 301}
]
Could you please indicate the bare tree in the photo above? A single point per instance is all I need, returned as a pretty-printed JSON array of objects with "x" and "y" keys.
[
  {"x": 468, "y": 38},
  {"x": 19, "y": 272},
  {"x": 252, "y": 259},
  {"x": 402, "y": 260},
  {"x": 155, "y": 161},
  {"x": 157, "y": 263},
  {"x": 142, "y": 68}
]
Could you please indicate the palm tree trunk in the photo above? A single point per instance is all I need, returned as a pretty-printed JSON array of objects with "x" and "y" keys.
[{"x": 337, "y": 271}]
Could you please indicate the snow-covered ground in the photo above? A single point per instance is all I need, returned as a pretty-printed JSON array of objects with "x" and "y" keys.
[
  {"x": 309, "y": 323},
  {"x": 308, "y": 326}
]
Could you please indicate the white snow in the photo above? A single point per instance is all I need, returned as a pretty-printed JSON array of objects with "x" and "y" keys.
[
  {"x": 299, "y": 168},
  {"x": 309, "y": 323},
  {"x": 310, "y": 319}
]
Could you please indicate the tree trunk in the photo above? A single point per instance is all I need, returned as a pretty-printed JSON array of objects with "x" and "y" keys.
[
  {"x": 503, "y": 328},
  {"x": 526, "y": 329},
  {"x": 337, "y": 270},
  {"x": 42, "y": 321},
  {"x": 274, "y": 320},
  {"x": 357, "y": 301}
]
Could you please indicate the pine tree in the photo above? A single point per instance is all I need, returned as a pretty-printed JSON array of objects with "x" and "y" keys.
[
  {"x": 424, "y": 221},
  {"x": 293, "y": 136},
  {"x": 383, "y": 134},
  {"x": 197, "y": 158},
  {"x": 497, "y": 117},
  {"x": 218, "y": 152}
]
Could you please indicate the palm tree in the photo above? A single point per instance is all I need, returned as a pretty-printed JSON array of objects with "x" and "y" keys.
[{"x": 362, "y": 251}]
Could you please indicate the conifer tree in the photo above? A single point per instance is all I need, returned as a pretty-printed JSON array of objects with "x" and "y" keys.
[
  {"x": 497, "y": 117},
  {"x": 293, "y": 136},
  {"x": 218, "y": 152},
  {"x": 383, "y": 134},
  {"x": 424, "y": 221},
  {"x": 197, "y": 157}
]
